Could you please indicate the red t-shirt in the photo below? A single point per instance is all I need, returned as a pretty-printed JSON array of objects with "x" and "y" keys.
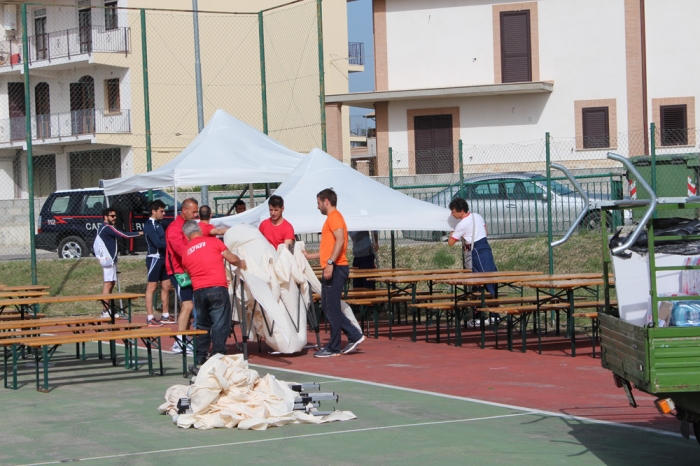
[
  {"x": 206, "y": 228},
  {"x": 276, "y": 234},
  {"x": 204, "y": 263}
]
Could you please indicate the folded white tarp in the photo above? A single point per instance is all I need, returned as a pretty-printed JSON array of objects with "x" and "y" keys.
[
  {"x": 227, "y": 151},
  {"x": 226, "y": 393},
  {"x": 277, "y": 290},
  {"x": 365, "y": 203}
]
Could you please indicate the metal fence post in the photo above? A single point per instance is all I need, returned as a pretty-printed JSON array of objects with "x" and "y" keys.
[
  {"x": 461, "y": 170},
  {"x": 28, "y": 135},
  {"x": 204, "y": 190},
  {"x": 549, "y": 203},
  {"x": 391, "y": 185},
  {"x": 146, "y": 103},
  {"x": 263, "y": 79},
  {"x": 321, "y": 74},
  {"x": 653, "y": 158}
]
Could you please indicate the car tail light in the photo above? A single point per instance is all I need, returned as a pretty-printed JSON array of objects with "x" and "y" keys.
[
  {"x": 664, "y": 405},
  {"x": 39, "y": 229}
]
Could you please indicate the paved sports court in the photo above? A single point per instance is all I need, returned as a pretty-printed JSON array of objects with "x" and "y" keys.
[{"x": 100, "y": 414}]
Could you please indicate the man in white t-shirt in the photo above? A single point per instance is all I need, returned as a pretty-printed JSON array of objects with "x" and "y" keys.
[{"x": 471, "y": 232}]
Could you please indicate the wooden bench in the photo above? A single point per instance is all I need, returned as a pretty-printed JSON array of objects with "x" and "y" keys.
[
  {"x": 149, "y": 336},
  {"x": 5, "y": 316},
  {"x": 437, "y": 308},
  {"x": 400, "y": 299},
  {"x": 521, "y": 314}
]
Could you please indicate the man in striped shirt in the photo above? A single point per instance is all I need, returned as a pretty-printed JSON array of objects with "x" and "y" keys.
[{"x": 107, "y": 235}]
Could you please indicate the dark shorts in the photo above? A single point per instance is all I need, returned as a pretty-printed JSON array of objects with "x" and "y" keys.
[
  {"x": 183, "y": 294},
  {"x": 156, "y": 269}
]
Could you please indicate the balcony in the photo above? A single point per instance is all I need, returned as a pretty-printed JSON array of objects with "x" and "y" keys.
[
  {"x": 65, "y": 45},
  {"x": 356, "y": 57},
  {"x": 55, "y": 127}
]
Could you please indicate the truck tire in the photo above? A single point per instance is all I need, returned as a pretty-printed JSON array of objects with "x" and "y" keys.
[{"x": 72, "y": 247}]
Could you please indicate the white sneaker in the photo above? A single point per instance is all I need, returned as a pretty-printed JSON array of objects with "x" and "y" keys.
[
  {"x": 105, "y": 315},
  {"x": 190, "y": 350},
  {"x": 176, "y": 348}
]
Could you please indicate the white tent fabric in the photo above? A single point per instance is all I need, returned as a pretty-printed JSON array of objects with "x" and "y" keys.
[
  {"x": 277, "y": 290},
  {"x": 227, "y": 151},
  {"x": 364, "y": 203},
  {"x": 226, "y": 393}
]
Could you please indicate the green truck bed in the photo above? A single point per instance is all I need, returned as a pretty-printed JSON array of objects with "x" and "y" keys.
[{"x": 661, "y": 361}]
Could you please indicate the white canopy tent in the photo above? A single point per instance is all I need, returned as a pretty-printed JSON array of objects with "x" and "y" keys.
[
  {"x": 227, "y": 151},
  {"x": 364, "y": 203}
]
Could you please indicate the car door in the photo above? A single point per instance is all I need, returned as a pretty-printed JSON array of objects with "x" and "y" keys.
[
  {"x": 91, "y": 206},
  {"x": 487, "y": 198},
  {"x": 520, "y": 209}
]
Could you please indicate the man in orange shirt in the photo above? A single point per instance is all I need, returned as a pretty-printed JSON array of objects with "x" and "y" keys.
[{"x": 334, "y": 243}]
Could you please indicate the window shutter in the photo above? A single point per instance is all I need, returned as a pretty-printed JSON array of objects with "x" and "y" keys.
[
  {"x": 674, "y": 125},
  {"x": 433, "y": 142},
  {"x": 595, "y": 128},
  {"x": 516, "y": 58}
]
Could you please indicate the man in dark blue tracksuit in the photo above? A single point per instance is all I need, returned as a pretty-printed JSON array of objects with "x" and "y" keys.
[
  {"x": 106, "y": 249},
  {"x": 155, "y": 264}
]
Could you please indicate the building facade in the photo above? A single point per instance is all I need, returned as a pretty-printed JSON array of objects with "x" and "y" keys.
[
  {"x": 499, "y": 72},
  {"x": 87, "y": 83}
]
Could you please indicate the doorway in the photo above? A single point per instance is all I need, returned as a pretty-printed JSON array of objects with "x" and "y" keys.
[{"x": 82, "y": 105}]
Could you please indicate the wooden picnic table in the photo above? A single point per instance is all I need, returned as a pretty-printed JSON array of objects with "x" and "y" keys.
[
  {"x": 559, "y": 286},
  {"x": 24, "y": 288},
  {"x": 23, "y": 304},
  {"x": 22, "y": 294}
]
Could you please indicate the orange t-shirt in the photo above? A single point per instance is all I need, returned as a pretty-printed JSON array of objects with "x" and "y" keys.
[{"x": 334, "y": 221}]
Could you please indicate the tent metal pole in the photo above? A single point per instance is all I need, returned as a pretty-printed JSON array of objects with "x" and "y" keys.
[
  {"x": 204, "y": 193},
  {"x": 177, "y": 212}
]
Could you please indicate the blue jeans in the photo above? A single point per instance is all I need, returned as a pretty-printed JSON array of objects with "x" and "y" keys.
[
  {"x": 330, "y": 303},
  {"x": 214, "y": 315}
]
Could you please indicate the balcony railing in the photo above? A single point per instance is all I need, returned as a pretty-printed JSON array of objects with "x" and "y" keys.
[
  {"x": 356, "y": 53},
  {"x": 58, "y": 125},
  {"x": 67, "y": 44}
]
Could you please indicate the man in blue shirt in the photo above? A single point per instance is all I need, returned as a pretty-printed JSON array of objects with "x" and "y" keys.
[
  {"x": 106, "y": 249},
  {"x": 155, "y": 264}
]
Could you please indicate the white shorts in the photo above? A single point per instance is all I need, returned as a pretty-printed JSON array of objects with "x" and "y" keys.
[{"x": 110, "y": 273}]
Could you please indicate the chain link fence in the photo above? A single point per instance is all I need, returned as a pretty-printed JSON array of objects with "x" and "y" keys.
[{"x": 95, "y": 93}]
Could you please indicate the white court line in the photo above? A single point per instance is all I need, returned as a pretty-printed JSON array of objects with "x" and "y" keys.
[
  {"x": 483, "y": 402},
  {"x": 296, "y": 437}
]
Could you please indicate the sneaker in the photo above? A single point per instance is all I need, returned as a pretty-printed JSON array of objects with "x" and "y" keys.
[
  {"x": 325, "y": 353},
  {"x": 190, "y": 350},
  {"x": 154, "y": 322},
  {"x": 167, "y": 320},
  {"x": 176, "y": 348},
  {"x": 106, "y": 315},
  {"x": 120, "y": 315},
  {"x": 352, "y": 345}
]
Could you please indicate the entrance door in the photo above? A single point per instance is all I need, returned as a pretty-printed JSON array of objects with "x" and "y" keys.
[
  {"x": 85, "y": 28},
  {"x": 18, "y": 111},
  {"x": 82, "y": 105},
  {"x": 434, "y": 152},
  {"x": 43, "y": 110}
]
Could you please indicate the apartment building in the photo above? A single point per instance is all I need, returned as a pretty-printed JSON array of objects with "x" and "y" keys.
[
  {"x": 499, "y": 72},
  {"x": 86, "y": 77}
]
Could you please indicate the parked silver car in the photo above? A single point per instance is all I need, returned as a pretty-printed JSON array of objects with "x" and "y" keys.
[{"x": 515, "y": 205}]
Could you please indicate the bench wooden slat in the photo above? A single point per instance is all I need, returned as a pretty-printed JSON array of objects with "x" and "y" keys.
[
  {"x": 5, "y": 317},
  {"x": 103, "y": 336},
  {"x": 46, "y": 332},
  {"x": 49, "y": 321}
]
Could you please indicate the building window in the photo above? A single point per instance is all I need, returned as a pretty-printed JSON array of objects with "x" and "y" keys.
[
  {"x": 434, "y": 150},
  {"x": 674, "y": 125},
  {"x": 89, "y": 167},
  {"x": 596, "y": 128},
  {"x": 112, "y": 95},
  {"x": 44, "y": 175},
  {"x": 516, "y": 50},
  {"x": 111, "y": 21}
]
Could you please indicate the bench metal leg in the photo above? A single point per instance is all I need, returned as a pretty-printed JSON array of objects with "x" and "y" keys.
[
  {"x": 509, "y": 332},
  {"x": 160, "y": 356},
  {"x": 15, "y": 357},
  {"x": 45, "y": 351},
  {"x": 147, "y": 342},
  {"x": 458, "y": 327},
  {"x": 523, "y": 331},
  {"x": 413, "y": 337},
  {"x": 482, "y": 326}
]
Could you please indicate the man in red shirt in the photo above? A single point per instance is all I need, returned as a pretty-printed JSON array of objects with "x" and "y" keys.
[
  {"x": 276, "y": 229},
  {"x": 207, "y": 228},
  {"x": 175, "y": 247},
  {"x": 202, "y": 260},
  {"x": 334, "y": 243}
]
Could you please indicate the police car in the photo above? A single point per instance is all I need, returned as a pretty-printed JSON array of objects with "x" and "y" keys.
[{"x": 69, "y": 219}]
